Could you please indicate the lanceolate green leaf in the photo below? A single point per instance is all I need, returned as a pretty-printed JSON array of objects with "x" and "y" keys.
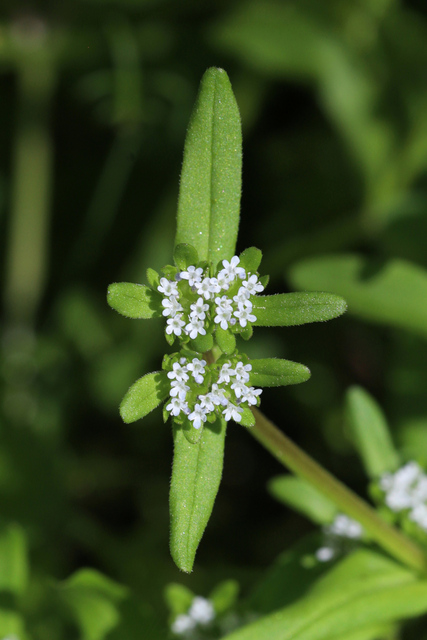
[
  {"x": 144, "y": 396},
  {"x": 196, "y": 474},
  {"x": 134, "y": 300},
  {"x": 274, "y": 372},
  {"x": 209, "y": 195},
  {"x": 288, "y": 309},
  {"x": 392, "y": 293},
  {"x": 364, "y": 589},
  {"x": 303, "y": 497},
  {"x": 370, "y": 433}
]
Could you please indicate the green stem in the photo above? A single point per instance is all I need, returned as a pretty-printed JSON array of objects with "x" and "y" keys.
[{"x": 291, "y": 456}]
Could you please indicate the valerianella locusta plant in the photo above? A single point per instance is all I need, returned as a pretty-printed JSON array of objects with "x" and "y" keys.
[{"x": 207, "y": 299}]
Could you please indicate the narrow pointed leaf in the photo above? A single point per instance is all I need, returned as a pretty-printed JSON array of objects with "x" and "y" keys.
[
  {"x": 393, "y": 293},
  {"x": 144, "y": 396},
  {"x": 134, "y": 300},
  {"x": 209, "y": 195},
  {"x": 365, "y": 589},
  {"x": 370, "y": 433},
  {"x": 288, "y": 309},
  {"x": 303, "y": 497},
  {"x": 196, "y": 474},
  {"x": 275, "y": 372}
]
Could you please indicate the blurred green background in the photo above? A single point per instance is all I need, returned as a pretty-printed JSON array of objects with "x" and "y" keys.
[{"x": 95, "y": 100}]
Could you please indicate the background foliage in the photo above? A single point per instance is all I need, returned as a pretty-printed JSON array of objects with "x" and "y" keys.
[{"x": 96, "y": 97}]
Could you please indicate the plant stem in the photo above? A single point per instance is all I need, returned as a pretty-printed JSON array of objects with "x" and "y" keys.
[{"x": 291, "y": 456}]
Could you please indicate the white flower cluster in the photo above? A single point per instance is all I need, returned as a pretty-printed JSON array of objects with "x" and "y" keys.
[
  {"x": 212, "y": 301},
  {"x": 342, "y": 529},
  {"x": 230, "y": 383},
  {"x": 201, "y": 613},
  {"x": 406, "y": 490}
]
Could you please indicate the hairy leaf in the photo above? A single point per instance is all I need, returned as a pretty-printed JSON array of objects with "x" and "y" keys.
[
  {"x": 365, "y": 589},
  {"x": 144, "y": 396},
  {"x": 288, "y": 309},
  {"x": 185, "y": 255},
  {"x": 225, "y": 340},
  {"x": 370, "y": 433},
  {"x": 274, "y": 372},
  {"x": 209, "y": 195},
  {"x": 134, "y": 300},
  {"x": 250, "y": 259},
  {"x": 196, "y": 474}
]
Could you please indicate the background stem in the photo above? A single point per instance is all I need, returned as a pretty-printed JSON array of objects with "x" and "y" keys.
[{"x": 292, "y": 457}]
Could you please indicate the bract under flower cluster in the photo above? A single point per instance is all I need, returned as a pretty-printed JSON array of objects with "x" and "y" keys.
[
  {"x": 194, "y": 302},
  {"x": 405, "y": 491},
  {"x": 202, "y": 392}
]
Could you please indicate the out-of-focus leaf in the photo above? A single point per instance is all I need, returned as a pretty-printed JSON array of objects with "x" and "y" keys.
[
  {"x": 13, "y": 559},
  {"x": 224, "y": 596},
  {"x": 196, "y": 474},
  {"x": 209, "y": 195},
  {"x": 134, "y": 300},
  {"x": 370, "y": 433},
  {"x": 365, "y": 589},
  {"x": 289, "y": 309},
  {"x": 393, "y": 293},
  {"x": 178, "y": 598},
  {"x": 144, "y": 396},
  {"x": 303, "y": 497},
  {"x": 275, "y": 372}
]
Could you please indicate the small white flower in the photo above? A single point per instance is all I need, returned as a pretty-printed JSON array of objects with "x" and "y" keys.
[
  {"x": 324, "y": 554},
  {"x": 251, "y": 395},
  {"x": 242, "y": 371},
  {"x": 198, "y": 416},
  {"x": 175, "y": 324},
  {"x": 252, "y": 285},
  {"x": 168, "y": 288},
  {"x": 194, "y": 327},
  {"x": 232, "y": 270},
  {"x": 204, "y": 288},
  {"x": 217, "y": 395},
  {"x": 232, "y": 412},
  {"x": 172, "y": 306},
  {"x": 239, "y": 388},
  {"x": 179, "y": 388},
  {"x": 176, "y": 406},
  {"x": 223, "y": 317},
  {"x": 178, "y": 372},
  {"x": 223, "y": 303},
  {"x": 241, "y": 296},
  {"x": 192, "y": 274},
  {"x": 182, "y": 624},
  {"x": 197, "y": 368},
  {"x": 207, "y": 403},
  {"x": 244, "y": 314},
  {"x": 201, "y": 610},
  {"x": 345, "y": 527},
  {"x": 225, "y": 373},
  {"x": 223, "y": 280},
  {"x": 199, "y": 309}
]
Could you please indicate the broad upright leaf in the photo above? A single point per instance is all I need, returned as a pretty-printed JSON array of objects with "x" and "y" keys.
[
  {"x": 134, "y": 300},
  {"x": 392, "y": 293},
  {"x": 364, "y": 590},
  {"x": 370, "y": 433},
  {"x": 144, "y": 396},
  {"x": 288, "y": 309},
  {"x": 196, "y": 474},
  {"x": 303, "y": 497},
  {"x": 209, "y": 195},
  {"x": 275, "y": 372}
]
